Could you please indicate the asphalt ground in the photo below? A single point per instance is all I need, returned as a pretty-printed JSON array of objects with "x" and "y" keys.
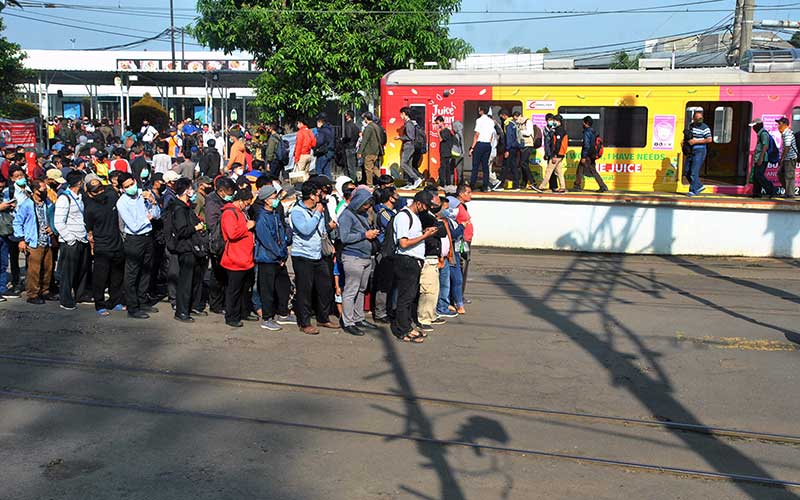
[{"x": 698, "y": 341}]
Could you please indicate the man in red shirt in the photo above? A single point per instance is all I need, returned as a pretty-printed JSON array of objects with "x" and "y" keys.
[
  {"x": 464, "y": 195},
  {"x": 303, "y": 149}
]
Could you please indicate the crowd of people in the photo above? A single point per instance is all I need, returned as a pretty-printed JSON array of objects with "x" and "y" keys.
[{"x": 125, "y": 222}]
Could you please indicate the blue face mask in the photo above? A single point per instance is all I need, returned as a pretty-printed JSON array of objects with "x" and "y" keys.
[
  {"x": 227, "y": 198},
  {"x": 275, "y": 203},
  {"x": 144, "y": 173},
  {"x": 21, "y": 182},
  {"x": 193, "y": 198}
]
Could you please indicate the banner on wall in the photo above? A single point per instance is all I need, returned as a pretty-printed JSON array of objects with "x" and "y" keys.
[
  {"x": 664, "y": 132},
  {"x": 15, "y": 133}
]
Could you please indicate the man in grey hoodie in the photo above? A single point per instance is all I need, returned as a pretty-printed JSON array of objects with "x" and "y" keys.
[{"x": 357, "y": 237}]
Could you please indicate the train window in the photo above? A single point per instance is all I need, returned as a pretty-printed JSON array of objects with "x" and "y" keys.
[
  {"x": 723, "y": 124},
  {"x": 620, "y": 127},
  {"x": 796, "y": 119}
]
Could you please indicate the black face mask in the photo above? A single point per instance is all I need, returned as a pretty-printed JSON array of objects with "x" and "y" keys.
[{"x": 435, "y": 209}]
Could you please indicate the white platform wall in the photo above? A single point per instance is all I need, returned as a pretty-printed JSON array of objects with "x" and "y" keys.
[{"x": 622, "y": 228}]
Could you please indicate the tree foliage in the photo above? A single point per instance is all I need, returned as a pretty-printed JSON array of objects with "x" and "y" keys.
[
  {"x": 795, "y": 40},
  {"x": 543, "y": 50},
  {"x": 314, "y": 50},
  {"x": 519, "y": 50},
  {"x": 20, "y": 109},
  {"x": 151, "y": 110},
  {"x": 12, "y": 73},
  {"x": 623, "y": 60}
]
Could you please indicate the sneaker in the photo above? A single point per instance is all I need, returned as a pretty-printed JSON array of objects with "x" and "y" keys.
[
  {"x": 36, "y": 301},
  {"x": 199, "y": 312},
  {"x": 383, "y": 320},
  {"x": 12, "y": 292},
  {"x": 438, "y": 321},
  {"x": 702, "y": 188},
  {"x": 416, "y": 183},
  {"x": 691, "y": 193},
  {"x": 448, "y": 314},
  {"x": 103, "y": 313},
  {"x": 498, "y": 188},
  {"x": 67, "y": 308},
  {"x": 407, "y": 187},
  {"x": 289, "y": 319},
  {"x": 149, "y": 309},
  {"x": 3, "y": 299},
  {"x": 270, "y": 325},
  {"x": 496, "y": 185},
  {"x": 234, "y": 324},
  {"x": 119, "y": 307}
]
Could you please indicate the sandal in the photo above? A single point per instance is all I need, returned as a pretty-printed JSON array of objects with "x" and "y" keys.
[{"x": 410, "y": 337}]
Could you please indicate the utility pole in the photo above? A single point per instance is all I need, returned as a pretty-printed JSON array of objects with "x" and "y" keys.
[
  {"x": 748, "y": 9},
  {"x": 736, "y": 35},
  {"x": 172, "y": 31}
]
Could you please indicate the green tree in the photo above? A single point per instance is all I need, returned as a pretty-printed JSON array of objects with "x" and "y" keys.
[
  {"x": 519, "y": 50},
  {"x": 311, "y": 51},
  {"x": 543, "y": 50},
  {"x": 623, "y": 60},
  {"x": 795, "y": 40},
  {"x": 12, "y": 72}
]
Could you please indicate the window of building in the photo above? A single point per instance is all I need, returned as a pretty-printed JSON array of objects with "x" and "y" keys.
[
  {"x": 723, "y": 124},
  {"x": 620, "y": 127},
  {"x": 796, "y": 119}
]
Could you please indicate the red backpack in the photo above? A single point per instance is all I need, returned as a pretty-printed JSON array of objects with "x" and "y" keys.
[{"x": 598, "y": 147}]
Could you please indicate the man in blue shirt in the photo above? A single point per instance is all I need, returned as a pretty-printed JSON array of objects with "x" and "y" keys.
[
  {"x": 701, "y": 137},
  {"x": 324, "y": 150},
  {"x": 136, "y": 211},
  {"x": 588, "y": 156}
]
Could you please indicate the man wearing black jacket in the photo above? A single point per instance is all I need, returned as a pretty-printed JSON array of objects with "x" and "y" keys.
[
  {"x": 210, "y": 162},
  {"x": 429, "y": 275},
  {"x": 349, "y": 140},
  {"x": 183, "y": 224},
  {"x": 105, "y": 242},
  {"x": 223, "y": 193}
]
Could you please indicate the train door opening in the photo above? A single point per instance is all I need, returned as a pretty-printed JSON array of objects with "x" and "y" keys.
[
  {"x": 419, "y": 115},
  {"x": 729, "y": 153},
  {"x": 471, "y": 115}
]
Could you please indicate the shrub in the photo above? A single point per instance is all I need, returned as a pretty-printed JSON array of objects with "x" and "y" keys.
[{"x": 148, "y": 109}]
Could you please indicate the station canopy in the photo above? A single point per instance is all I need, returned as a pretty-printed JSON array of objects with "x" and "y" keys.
[{"x": 141, "y": 68}]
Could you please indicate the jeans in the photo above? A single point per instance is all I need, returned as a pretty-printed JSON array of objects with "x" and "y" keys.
[
  {"x": 480, "y": 162},
  {"x": 323, "y": 166},
  {"x": 406, "y": 275},
  {"x": 357, "y": 270},
  {"x": 444, "y": 289},
  {"x": 457, "y": 283},
  {"x": 4, "y": 242},
  {"x": 698, "y": 158}
]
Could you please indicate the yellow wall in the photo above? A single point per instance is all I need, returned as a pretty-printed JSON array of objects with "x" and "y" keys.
[{"x": 659, "y": 170}]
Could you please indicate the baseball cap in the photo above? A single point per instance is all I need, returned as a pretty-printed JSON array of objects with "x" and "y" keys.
[
  {"x": 171, "y": 176},
  {"x": 266, "y": 191},
  {"x": 783, "y": 120},
  {"x": 755, "y": 122},
  {"x": 55, "y": 174}
]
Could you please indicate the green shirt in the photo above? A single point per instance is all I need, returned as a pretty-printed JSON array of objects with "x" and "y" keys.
[{"x": 760, "y": 154}]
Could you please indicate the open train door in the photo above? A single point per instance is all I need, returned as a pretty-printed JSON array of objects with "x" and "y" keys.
[{"x": 728, "y": 154}]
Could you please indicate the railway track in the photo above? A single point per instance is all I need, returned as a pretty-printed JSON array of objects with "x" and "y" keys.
[{"x": 88, "y": 401}]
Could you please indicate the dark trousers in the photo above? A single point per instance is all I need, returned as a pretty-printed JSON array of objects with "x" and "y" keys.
[
  {"x": 109, "y": 272},
  {"x": 446, "y": 170},
  {"x": 75, "y": 266},
  {"x": 138, "y": 270},
  {"x": 158, "y": 268},
  {"x": 13, "y": 258},
  {"x": 511, "y": 168},
  {"x": 189, "y": 282},
  {"x": 760, "y": 181},
  {"x": 587, "y": 167},
  {"x": 480, "y": 162},
  {"x": 525, "y": 167},
  {"x": 406, "y": 280},
  {"x": 313, "y": 285},
  {"x": 276, "y": 169},
  {"x": 236, "y": 297},
  {"x": 273, "y": 288},
  {"x": 173, "y": 270},
  {"x": 200, "y": 292},
  {"x": 217, "y": 284}
]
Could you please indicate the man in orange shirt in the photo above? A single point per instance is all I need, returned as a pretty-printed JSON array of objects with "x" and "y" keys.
[
  {"x": 238, "y": 154},
  {"x": 303, "y": 148}
]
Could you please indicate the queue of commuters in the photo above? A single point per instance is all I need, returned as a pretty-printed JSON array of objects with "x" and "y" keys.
[{"x": 233, "y": 239}]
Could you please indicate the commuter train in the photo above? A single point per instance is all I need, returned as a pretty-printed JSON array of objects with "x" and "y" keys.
[{"x": 641, "y": 116}]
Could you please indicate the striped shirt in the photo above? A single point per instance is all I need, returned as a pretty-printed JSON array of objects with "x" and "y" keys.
[
  {"x": 789, "y": 145},
  {"x": 700, "y": 131}
]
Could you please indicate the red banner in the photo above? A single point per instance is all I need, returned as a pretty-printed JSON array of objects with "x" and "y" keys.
[{"x": 15, "y": 133}]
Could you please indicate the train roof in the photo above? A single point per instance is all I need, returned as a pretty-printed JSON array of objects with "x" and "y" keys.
[{"x": 672, "y": 77}]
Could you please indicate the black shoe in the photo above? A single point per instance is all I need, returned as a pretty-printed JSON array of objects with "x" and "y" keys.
[
  {"x": 251, "y": 317},
  {"x": 237, "y": 324},
  {"x": 12, "y": 293},
  {"x": 424, "y": 328},
  {"x": 86, "y": 300},
  {"x": 602, "y": 190},
  {"x": 354, "y": 330},
  {"x": 2, "y": 299},
  {"x": 199, "y": 312},
  {"x": 368, "y": 325},
  {"x": 384, "y": 320},
  {"x": 149, "y": 309},
  {"x": 184, "y": 318},
  {"x": 217, "y": 311},
  {"x": 50, "y": 297},
  {"x": 138, "y": 315},
  {"x": 38, "y": 301}
]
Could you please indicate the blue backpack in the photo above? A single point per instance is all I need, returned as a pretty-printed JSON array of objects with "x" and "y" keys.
[
  {"x": 773, "y": 153},
  {"x": 282, "y": 155}
]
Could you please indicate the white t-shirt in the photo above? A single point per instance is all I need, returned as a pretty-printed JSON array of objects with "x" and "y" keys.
[
  {"x": 148, "y": 133},
  {"x": 161, "y": 163},
  {"x": 208, "y": 135},
  {"x": 401, "y": 230},
  {"x": 484, "y": 126}
]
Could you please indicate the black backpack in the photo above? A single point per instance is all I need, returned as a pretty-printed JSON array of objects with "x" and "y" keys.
[
  {"x": 389, "y": 246},
  {"x": 216, "y": 242},
  {"x": 170, "y": 240},
  {"x": 420, "y": 141},
  {"x": 282, "y": 154}
]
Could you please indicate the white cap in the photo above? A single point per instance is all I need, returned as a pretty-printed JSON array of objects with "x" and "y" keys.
[{"x": 171, "y": 176}]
